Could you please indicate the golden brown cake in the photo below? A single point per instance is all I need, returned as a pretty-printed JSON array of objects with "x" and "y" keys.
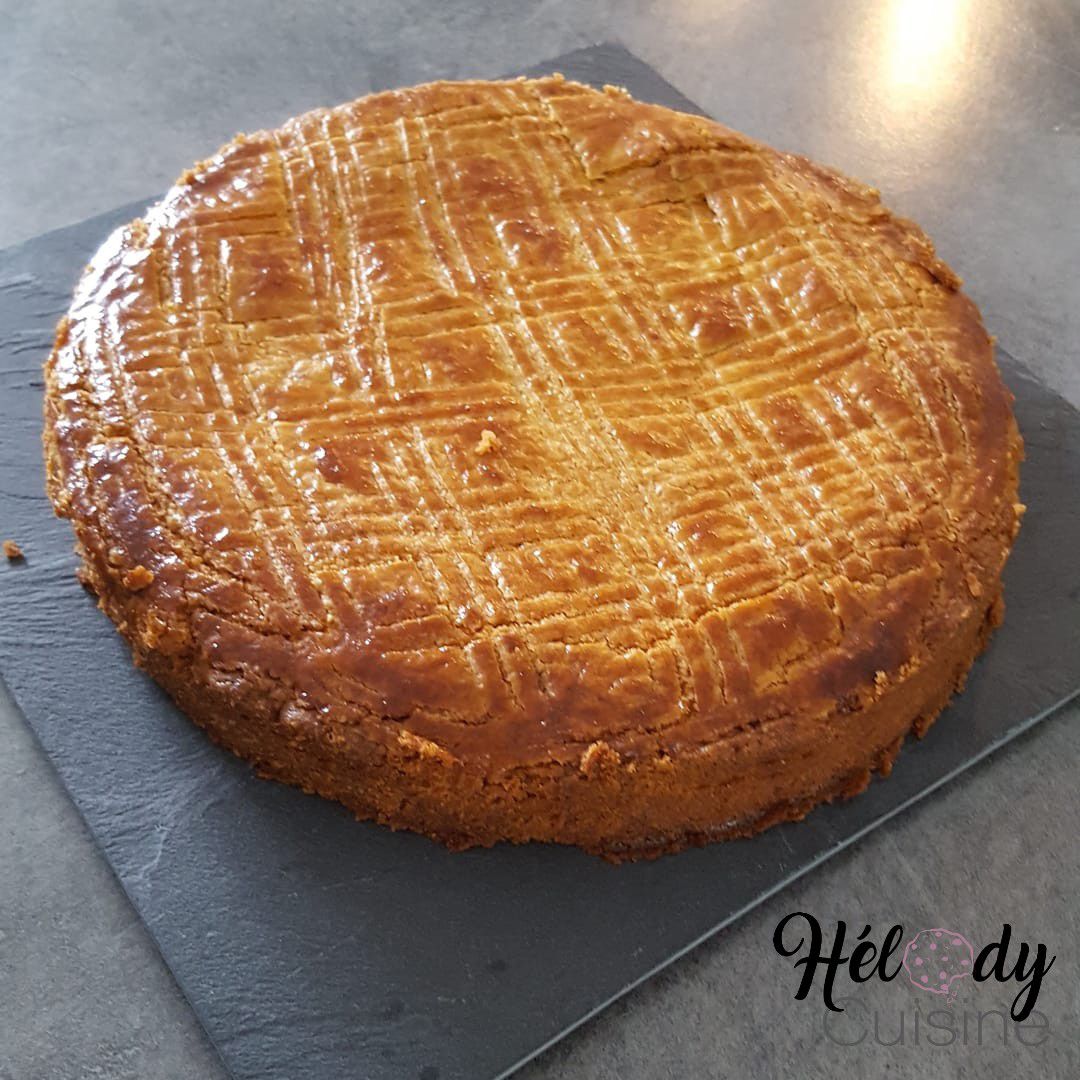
[{"x": 518, "y": 461}]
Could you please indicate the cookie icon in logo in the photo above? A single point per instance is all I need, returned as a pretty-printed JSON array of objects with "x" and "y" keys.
[{"x": 936, "y": 960}]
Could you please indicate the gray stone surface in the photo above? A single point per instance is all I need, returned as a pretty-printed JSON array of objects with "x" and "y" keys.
[{"x": 966, "y": 114}]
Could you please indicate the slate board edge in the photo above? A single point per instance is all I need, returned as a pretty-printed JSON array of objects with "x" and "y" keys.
[
  {"x": 99, "y": 844},
  {"x": 986, "y": 752}
]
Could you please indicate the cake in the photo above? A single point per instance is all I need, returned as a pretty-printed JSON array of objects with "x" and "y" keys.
[{"x": 519, "y": 461}]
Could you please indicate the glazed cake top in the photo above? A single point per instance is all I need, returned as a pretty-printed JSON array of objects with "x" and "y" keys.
[{"x": 517, "y": 420}]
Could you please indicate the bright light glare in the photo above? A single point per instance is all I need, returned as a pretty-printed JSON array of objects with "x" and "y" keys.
[{"x": 924, "y": 44}]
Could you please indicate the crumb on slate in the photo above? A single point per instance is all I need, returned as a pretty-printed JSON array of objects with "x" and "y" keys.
[{"x": 12, "y": 550}]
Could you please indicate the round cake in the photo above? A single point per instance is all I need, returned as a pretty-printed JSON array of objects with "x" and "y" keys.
[{"x": 519, "y": 461}]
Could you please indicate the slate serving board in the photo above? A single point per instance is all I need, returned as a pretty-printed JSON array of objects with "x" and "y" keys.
[{"x": 312, "y": 945}]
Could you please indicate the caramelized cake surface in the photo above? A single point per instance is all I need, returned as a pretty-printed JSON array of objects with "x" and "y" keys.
[{"x": 521, "y": 461}]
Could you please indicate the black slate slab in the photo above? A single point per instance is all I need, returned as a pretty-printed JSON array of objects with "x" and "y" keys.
[{"x": 312, "y": 945}]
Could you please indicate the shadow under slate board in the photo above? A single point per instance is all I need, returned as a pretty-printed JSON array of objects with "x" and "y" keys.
[{"x": 312, "y": 945}]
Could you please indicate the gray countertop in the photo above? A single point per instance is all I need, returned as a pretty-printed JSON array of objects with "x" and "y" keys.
[{"x": 965, "y": 112}]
